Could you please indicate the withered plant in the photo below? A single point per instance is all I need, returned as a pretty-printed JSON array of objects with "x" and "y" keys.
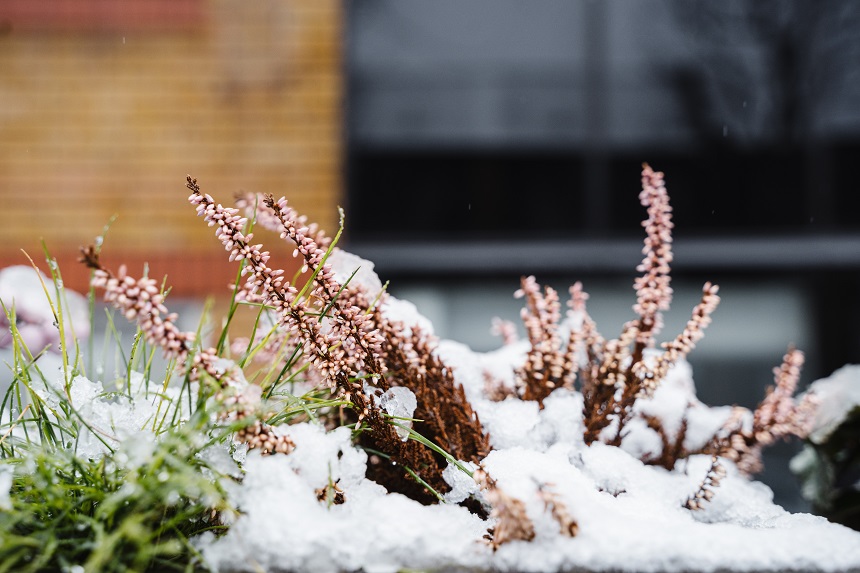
[
  {"x": 351, "y": 346},
  {"x": 613, "y": 374},
  {"x": 512, "y": 522},
  {"x": 745, "y": 434},
  {"x": 616, "y": 372},
  {"x": 398, "y": 356},
  {"x": 777, "y": 417}
]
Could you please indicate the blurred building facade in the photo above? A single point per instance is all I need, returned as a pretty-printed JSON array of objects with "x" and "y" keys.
[{"x": 106, "y": 106}]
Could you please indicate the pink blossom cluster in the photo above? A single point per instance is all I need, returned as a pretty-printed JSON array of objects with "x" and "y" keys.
[
  {"x": 652, "y": 288},
  {"x": 540, "y": 316},
  {"x": 685, "y": 342},
  {"x": 262, "y": 279},
  {"x": 780, "y": 414},
  {"x": 140, "y": 300},
  {"x": 244, "y": 406},
  {"x": 505, "y": 329},
  {"x": 349, "y": 327},
  {"x": 254, "y": 205},
  {"x": 330, "y": 353}
]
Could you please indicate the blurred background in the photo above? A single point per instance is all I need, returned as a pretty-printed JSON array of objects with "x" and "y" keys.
[{"x": 470, "y": 143}]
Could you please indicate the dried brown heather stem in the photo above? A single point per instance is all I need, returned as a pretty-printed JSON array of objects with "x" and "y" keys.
[
  {"x": 673, "y": 447},
  {"x": 331, "y": 494},
  {"x": 512, "y": 521},
  {"x": 576, "y": 338},
  {"x": 642, "y": 377},
  {"x": 684, "y": 343},
  {"x": 544, "y": 368},
  {"x": 597, "y": 395},
  {"x": 409, "y": 359},
  {"x": 778, "y": 416},
  {"x": 558, "y": 509},
  {"x": 141, "y": 301},
  {"x": 653, "y": 293},
  {"x": 705, "y": 491},
  {"x": 327, "y": 351}
]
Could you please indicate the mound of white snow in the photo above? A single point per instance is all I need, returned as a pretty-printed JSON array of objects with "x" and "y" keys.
[{"x": 630, "y": 515}]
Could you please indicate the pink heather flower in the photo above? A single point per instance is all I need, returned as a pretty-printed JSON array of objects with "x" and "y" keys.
[
  {"x": 778, "y": 414},
  {"x": 684, "y": 343},
  {"x": 652, "y": 288},
  {"x": 505, "y": 329},
  {"x": 254, "y": 206},
  {"x": 140, "y": 300},
  {"x": 324, "y": 353}
]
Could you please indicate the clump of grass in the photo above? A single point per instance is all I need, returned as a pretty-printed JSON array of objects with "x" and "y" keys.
[
  {"x": 128, "y": 504},
  {"x": 67, "y": 512}
]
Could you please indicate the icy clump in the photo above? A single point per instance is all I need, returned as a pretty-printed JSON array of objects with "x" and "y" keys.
[
  {"x": 837, "y": 396},
  {"x": 284, "y": 527},
  {"x": 462, "y": 484},
  {"x": 344, "y": 264},
  {"x": 399, "y": 402},
  {"x": 112, "y": 419}
]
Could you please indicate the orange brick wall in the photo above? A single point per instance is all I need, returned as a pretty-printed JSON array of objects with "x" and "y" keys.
[{"x": 101, "y": 122}]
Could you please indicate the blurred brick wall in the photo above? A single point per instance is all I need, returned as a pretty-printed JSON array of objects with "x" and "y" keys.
[{"x": 104, "y": 112}]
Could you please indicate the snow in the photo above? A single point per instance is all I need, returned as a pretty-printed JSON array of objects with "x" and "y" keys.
[
  {"x": 405, "y": 312},
  {"x": 113, "y": 419},
  {"x": 344, "y": 263},
  {"x": 837, "y": 396},
  {"x": 630, "y": 515},
  {"x": 462, "y": 484},
  {"x": 399, "y": 402},
  {"x": 284, "y": 527}
]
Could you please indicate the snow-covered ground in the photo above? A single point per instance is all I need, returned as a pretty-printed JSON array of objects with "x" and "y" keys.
[{"x": 630, "y": 515}]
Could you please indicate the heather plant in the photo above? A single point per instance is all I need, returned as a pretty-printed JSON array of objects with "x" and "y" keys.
[
  {"x": 140, "y": 477},
  {"x": 616, "y": 372},
  {"x": 612, "y": 375}
]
